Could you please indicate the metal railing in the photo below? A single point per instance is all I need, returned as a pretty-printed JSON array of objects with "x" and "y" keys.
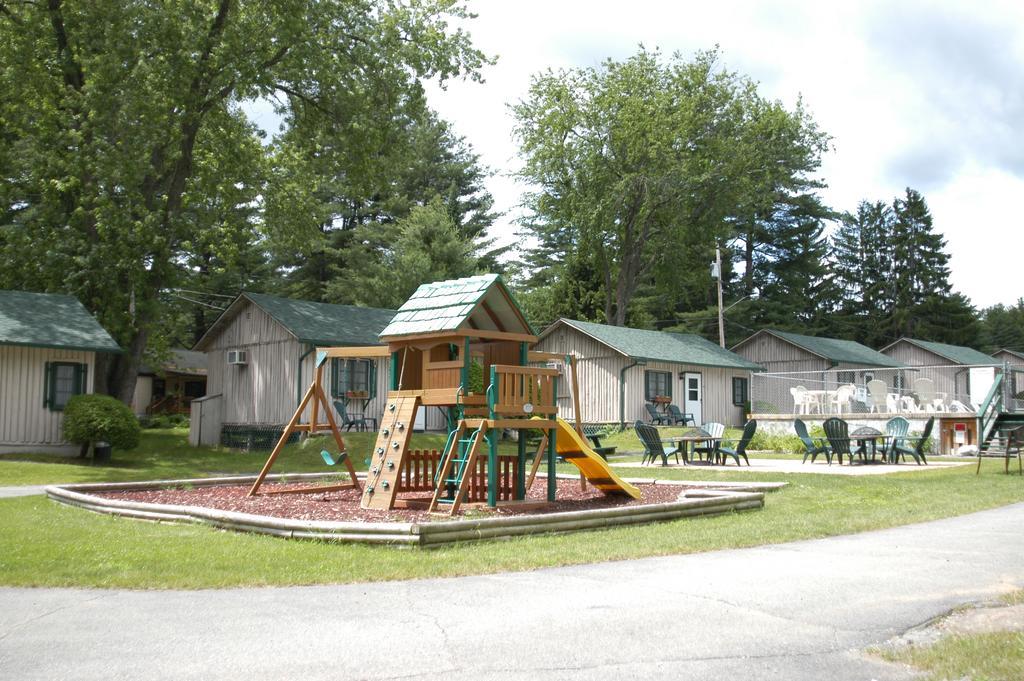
[{"x": 988, "y": 412}]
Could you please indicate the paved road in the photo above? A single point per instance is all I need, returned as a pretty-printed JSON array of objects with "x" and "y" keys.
[
  {"x": 21, "y": 491},
  {"x": 791, "y": 611}
]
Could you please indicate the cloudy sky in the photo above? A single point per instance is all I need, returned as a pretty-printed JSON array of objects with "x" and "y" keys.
[{"x": 928, "y": 95}]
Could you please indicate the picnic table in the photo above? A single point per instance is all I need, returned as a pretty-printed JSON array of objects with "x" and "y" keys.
[
  {"x": 866, "y": 436},
  {"x": 688, "y": 441}
]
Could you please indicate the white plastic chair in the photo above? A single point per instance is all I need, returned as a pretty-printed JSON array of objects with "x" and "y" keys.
[
  {"x": 925, "y": 389},
  {"x": 842, "y": 396},
  {"x": 799, "y": 394},
  {"x": 877, "y": 395}
]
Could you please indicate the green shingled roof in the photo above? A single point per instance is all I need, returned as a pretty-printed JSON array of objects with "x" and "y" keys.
[
  {"x": 446, "y": 305},
  {"x": 49, "y": 320},
  {"x": 838, "y": 350},
  {"x": 661, "y": 346},
  {"x": 954, "y": 353},
  {"x": 325, "y": 323}
]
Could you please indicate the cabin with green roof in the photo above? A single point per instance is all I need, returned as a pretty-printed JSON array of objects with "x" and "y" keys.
[
  {"x": 260, "y": 356},
  {"x": 48, "y": 347},
  {"x": 960, "y": 374},
  {"x": 621, "y": 370}
]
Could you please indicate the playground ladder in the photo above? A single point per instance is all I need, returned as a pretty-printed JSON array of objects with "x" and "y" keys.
[
  {"x": 458, "y": 462},
  {"x": 389, "y": 451}
]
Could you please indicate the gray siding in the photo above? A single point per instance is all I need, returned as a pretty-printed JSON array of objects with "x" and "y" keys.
[
  {"x": 777, "y": 355},
  {"x": 265, "y": 391},
  {"x": 25, "y": 424},
  {"x": 949, "y": 378},
  {"x": 598, "y": 371}
]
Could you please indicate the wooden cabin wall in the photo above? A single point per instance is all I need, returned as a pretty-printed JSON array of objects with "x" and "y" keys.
[
  {"x": 952, "y": 380},
  {"x": 25, "y": 424},
  {"x": 777, "y": 355},
  {"x": 598, "y": 368}
]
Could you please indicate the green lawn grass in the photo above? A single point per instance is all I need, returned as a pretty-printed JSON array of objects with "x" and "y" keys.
[
  {"x": 45, "y": 544},
  {"x": 993, "y": 656},
  {"x": 165, "y": 454}
]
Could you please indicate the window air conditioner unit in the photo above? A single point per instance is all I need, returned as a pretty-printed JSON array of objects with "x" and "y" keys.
[{"x": 237, "y": 357}]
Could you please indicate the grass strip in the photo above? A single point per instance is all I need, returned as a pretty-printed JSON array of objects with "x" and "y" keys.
[{"x": 45, "y": 544}]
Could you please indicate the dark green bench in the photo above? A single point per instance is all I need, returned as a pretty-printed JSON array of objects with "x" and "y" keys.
[{"x": 594, "y": 433}]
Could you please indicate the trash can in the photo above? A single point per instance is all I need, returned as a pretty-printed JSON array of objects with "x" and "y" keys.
[{"x": 101, "y": 452}]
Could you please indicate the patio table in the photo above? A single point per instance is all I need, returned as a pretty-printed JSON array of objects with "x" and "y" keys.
[
  {"x": 866, "y": 435},
  {"x": 688, "y": 440}
]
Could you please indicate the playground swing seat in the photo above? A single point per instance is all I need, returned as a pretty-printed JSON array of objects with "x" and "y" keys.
[{"x": 330, "y": 460}]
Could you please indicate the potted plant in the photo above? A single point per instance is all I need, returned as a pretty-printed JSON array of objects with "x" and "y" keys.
[
  {"x": 476, "y": 378},
  {"x": 102, "y": 422}
]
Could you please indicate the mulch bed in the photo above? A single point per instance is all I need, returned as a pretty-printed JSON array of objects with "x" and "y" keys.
[{"x": 343, "y": 505}]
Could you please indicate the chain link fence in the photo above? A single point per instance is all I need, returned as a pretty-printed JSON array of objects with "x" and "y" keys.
[{"x": 952, "y": 389}]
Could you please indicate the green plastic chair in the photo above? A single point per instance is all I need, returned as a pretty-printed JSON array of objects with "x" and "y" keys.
[
  {"x": 897, "y": 428},
  {"x": 916, "y": 451},
  {"x": 361, "y": 422},
  {"x": 657, "y": 418},
  {"x": 653, "y": 445},
  {"x": 812, "y": 448},
  {"x": 679, "y": 417},
  {"x": 710, "y": 448},
  {"x": 838, "y": 433},
  {"x": 741, "y": 445}
]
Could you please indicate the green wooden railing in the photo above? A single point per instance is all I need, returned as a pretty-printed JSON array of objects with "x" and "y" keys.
[{"x": 989, "y": 411}]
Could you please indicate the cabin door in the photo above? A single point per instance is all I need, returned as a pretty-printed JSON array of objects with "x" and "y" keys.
[{"x": 693, "y": 396}]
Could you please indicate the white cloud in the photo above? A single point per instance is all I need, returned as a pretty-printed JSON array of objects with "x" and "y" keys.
[{"x": 926, "y": 95}]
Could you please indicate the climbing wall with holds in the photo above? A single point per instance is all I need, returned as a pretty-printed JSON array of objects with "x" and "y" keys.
[{"x": 389, "y": 451}]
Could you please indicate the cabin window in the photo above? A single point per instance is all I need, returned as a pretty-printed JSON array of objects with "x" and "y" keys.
[
  {"x": 195, "y": 389},
  {"x": 64, "y": 380},
  {"x": 845, "y": 377},
  {"x": 740, "y": 391},
  {"x": 898, "y": 382},
  {"x": 353, "y": 376},
  {"x": 657, "y": 384}
]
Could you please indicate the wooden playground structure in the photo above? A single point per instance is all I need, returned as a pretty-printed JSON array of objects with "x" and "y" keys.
[{"x": 464, "y": 346}]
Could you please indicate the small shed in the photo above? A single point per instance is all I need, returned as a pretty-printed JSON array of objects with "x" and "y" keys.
[
  {"x": 960, "y": 373},
  {"x": 621, "y": 370},
  {"x": 170, "y": 386},
  {"x": 260, "y": 357},
  {"x": 48, "y": 346}
]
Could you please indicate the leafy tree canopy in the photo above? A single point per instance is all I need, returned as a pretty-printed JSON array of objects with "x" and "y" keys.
[{"x": 127, "y": 161}]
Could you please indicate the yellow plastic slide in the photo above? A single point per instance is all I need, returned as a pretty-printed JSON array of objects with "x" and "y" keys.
[{"x": 576, "y": 451}]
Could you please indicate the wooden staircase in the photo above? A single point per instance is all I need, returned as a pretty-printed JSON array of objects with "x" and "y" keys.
[{"x": 389, "y": 451}]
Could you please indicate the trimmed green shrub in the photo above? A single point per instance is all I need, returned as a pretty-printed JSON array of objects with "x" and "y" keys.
[{"x": 89, "y": 419}]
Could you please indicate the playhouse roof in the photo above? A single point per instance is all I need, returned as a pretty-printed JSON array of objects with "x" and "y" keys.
[
  {"x": 310, "y": 322},
  {"x": 660, "y": 346},
  {"x": 958, "y": 354},
  {"x": 481, "y": 302},
  {"x": 49, "y": 320}
]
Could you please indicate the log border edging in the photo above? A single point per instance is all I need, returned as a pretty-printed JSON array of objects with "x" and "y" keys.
[{"x": 707, "y": 501}]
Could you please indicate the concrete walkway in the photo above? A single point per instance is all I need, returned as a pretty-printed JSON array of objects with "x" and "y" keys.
[
  {"x": 21, "y": 491},
  {"x": 803, "y": 610}
]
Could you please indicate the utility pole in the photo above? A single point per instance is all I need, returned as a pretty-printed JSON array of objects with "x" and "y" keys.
[{"x": 717, "y": 273}]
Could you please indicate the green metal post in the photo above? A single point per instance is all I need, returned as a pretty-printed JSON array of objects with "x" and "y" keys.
[
  {"x": 524, "y": 359},
  {"x": 552, "y": 450},
  {"x": 394, "y": 370},
  {"x": 492, "y": 446}
]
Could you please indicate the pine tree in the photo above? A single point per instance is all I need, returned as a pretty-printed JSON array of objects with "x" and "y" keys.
[
  {"x": 790, "y": 274},
  {"x": 861, "y": 267}
]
